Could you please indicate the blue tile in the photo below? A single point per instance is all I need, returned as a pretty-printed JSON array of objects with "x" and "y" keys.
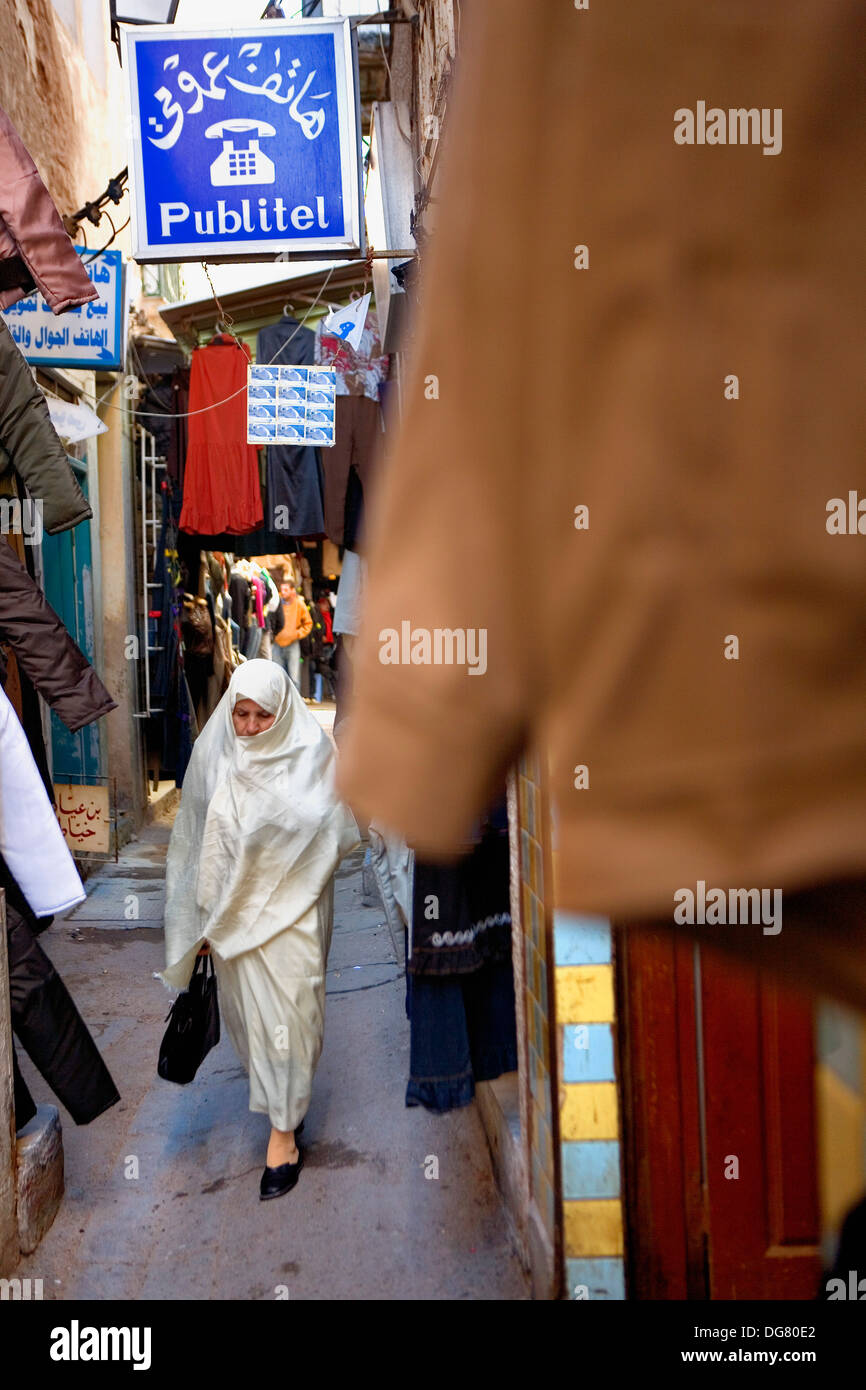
[
  {"x": 590, "y": 1168},
  {"x": 601, "y": 1278},
  {"x": 581, "y": 940},
  {"x": 594, "y": 1062}
]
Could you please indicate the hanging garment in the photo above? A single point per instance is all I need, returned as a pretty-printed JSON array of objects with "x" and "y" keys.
[
  {"x": 221, "y": 492},
  {"x": 462, "y": 1030},
  {"x": 471, "y": 923},
  {"x": 44, "y": 649},
  {"x": 239, "y": 588},
  {"x": 350, "y": 595},
  {"x": 35, "y": 250},
  {"x": 31, "y": 841},
  {"x": 357, "y": 441},
  {"x": 361, "y": 371},
  {"x": 253, "y": 851},
  {"x": 30, "y": 444},
  {"x": 48, "y": 1026},
  {"x": 707, "y": 516},
  {"x": 14, "y": 680},
  {"x": 175, "y": 459},
  {"x": 294, "y": 475},
  {"x": 460, "y": 988}
]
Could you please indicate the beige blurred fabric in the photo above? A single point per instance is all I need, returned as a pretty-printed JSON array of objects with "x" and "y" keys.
[{"x": 557, "y": 387}]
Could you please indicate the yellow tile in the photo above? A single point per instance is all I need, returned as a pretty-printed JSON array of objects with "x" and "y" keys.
[
  {"x": 840, "y": 1146},
  {"x": 593, "y": 1227},
  {"x": 584, "y": 994},
  {"x": 588, "y": 1110}
]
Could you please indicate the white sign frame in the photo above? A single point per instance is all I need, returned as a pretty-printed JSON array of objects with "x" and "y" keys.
[{"x": 352, "y": 245}]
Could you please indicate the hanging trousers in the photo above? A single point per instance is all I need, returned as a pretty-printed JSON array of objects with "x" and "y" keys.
[
  {"x": 52, "y": 1032},
  {"x": 357, "y": 438}
]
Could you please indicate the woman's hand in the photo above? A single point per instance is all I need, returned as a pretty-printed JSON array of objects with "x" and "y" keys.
[{"x": 205, "y": 950}]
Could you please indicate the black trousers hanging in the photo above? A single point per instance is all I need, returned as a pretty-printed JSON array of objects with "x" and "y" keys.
[{"x": 51, "y": 1030}]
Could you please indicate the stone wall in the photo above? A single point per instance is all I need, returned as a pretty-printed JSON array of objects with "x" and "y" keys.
[{"x": 61, "y": 86}]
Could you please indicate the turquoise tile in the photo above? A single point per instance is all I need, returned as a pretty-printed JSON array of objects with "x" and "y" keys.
[
  {"x": 599, "y": 1278},
  {"x": 581, "y": 940},
  {"x": 839, "y": 1043},
  {"x": 595, "y": 1061},
  {"x": 524, "y": 857},
  {"x": 590, "y": 1168}
]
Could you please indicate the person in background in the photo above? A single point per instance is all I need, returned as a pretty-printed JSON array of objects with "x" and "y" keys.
[
  {"x": 291, "y": 621},
  {"x": 323, "y": 647},
  {"x": 250, "y": 880}
]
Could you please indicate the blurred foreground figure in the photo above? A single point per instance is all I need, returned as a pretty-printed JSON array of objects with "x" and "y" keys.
[{"x": 637, "y": 388}]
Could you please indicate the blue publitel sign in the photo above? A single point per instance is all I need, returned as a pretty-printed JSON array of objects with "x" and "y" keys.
[
  {"x": 245, "y": 142},
  {"x": 89, "y": 336}
]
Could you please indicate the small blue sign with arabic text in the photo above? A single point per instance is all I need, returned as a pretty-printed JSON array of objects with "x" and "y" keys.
[{"x": 89, "y": 336}]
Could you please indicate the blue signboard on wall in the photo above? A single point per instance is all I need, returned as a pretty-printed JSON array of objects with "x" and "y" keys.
[
  {"x": 245, "y": 141},
  {"x": 89, "y": 336}
]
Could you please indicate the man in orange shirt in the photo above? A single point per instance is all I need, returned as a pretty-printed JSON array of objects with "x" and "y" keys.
[{"x": 292, "y": 621}]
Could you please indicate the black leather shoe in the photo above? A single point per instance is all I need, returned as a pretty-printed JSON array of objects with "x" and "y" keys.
[{"x": 277, "y": 1181}]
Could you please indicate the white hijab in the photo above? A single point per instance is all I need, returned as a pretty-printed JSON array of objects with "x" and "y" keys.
[{"x": 260, "y": 830}]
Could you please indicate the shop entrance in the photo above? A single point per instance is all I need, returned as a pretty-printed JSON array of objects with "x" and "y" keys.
[{"x": 721, "y": 1152}]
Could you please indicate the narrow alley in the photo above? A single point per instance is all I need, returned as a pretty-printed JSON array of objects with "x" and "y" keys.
[{"x": 162, "y": 1190}]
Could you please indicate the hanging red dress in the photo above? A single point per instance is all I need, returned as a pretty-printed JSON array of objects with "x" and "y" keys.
[{"x": 221, "y": 491}]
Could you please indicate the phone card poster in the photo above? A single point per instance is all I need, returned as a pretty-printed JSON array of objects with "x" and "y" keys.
[{"x": 291, "y": 405}]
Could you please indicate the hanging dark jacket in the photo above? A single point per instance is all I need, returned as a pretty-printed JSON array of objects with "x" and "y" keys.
[
  {"x": 30, "y": 444},
  {"x": 35, "y": 250},
  {"x": 295, "y": 478},
  {"x": 46, "y": 653}
]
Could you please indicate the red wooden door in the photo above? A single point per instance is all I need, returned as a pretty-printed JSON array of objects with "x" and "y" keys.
[{"x": 719, "y": 1126}]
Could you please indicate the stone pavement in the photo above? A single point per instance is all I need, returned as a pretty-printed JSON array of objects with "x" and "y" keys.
[{"x": 162, "y": 1190}]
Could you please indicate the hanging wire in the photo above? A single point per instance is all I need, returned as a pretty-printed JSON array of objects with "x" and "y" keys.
[
  {"x": 215, "y": 405},
  {"x": 85, "y": 260}
]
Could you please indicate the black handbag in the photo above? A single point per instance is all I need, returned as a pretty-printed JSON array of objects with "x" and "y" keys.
[{"x": 193, "y": 1026}]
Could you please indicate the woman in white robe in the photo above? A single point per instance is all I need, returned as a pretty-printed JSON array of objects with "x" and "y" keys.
[{"x": 258, "y": 837}]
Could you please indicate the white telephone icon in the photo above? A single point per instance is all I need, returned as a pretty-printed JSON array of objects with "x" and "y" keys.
[{"x": 244, "y": 164}]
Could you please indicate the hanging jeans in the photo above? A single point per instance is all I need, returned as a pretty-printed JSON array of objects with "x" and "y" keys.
[{"x": 463, "y": 1031}]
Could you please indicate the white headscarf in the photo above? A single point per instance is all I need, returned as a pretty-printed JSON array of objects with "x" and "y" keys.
[{"x": 260, "y": 830}]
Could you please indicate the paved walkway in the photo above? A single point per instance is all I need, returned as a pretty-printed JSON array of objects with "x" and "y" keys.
[{"x": 162, "y": 1190}]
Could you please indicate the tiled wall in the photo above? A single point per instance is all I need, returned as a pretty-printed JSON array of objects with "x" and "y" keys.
[
  {"x": 592, "y": 1210},
  {"x": 575, "y": 1153},
  {"x": 841, "y": 1096},
  {"x": 535, "y": 921}
]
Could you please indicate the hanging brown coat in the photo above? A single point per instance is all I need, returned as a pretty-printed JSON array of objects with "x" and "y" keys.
[
  {"x": 35, "y": 250},
  {"x": 45, "y": 651},
  {"x": 592, "y": 286}
]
